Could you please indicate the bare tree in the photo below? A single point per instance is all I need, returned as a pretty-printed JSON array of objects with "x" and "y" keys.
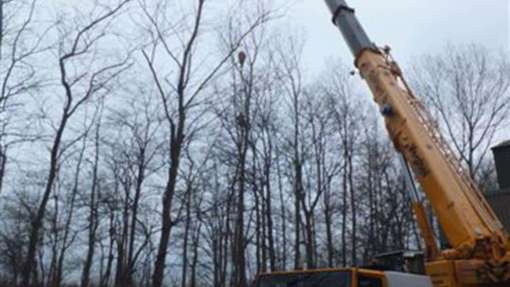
[
  {"x": 216, "y": 222},
  {"x": 179, "y": 100},
  {"x": 292, "y": 79},
  {"x": 348, "y": 115},
  {"x": 467, "y": 88},
  {"x": 69, "y": 206},
  {"x": 19, "y": 48},
  {"x": 93, "y": 216},
  {"x": 266, "y": 128},
  {"x": 81, "y": 44},
  {"x": 134, "y": 150},
  {"x": 234, "y": 148}
]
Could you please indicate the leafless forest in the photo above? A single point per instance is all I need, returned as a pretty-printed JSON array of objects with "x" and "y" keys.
[{"x": 184, "y": 143}]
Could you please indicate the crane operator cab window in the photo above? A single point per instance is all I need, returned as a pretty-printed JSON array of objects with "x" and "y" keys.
[
  {"x": 306, "y": 279},
  {"x": 366, "y": 281}
]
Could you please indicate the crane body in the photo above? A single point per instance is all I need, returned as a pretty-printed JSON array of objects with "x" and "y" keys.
[{"x": 480, "y": 247}]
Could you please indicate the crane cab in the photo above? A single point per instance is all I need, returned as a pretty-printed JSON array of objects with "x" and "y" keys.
[{"x": 347, "y": 277}]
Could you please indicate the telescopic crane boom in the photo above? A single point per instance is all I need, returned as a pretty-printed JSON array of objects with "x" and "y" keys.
[{"x": 480, "y": 252}]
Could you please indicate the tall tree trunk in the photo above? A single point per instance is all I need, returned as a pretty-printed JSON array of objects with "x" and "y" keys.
[
  {"x": 194, "y": 260},
  {"x": 258, "y": 234},
  {"x": 93, "y": 216},
  {"x": 344, "y": 211},
  {"x": 37, "y": 221},
  {"x": 109, "y": 261},
  {"x": 67, "y": 227},
  {"x": 140, "y": 177},
  {"x": 121, "y": 275},
  {"x": 55, "y": 232},
  {"x": 354, "y": 238},
  {"x": 269, "y": 214},
  {"x": 298, "y": 193},
  {"x": 3, "y": 153},
  {"x": 309, "y": 243},
  {"x": 187, "y": 226},
  {"x": 239, "y": 246},
  {"x": 283, "y": 218},
  {"x": 167, "y": 201},
  {"x": 328, "y": 221},
  {"x": 176, "y": 144}
]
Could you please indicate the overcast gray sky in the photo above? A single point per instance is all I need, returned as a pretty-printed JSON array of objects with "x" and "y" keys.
[{"x": 410, "y": 27}]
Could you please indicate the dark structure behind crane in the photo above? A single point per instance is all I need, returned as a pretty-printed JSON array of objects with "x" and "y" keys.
[{"x": 500, "y": 201}]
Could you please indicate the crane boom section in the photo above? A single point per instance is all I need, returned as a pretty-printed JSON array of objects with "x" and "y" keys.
[
  {"x": 470, "y": 225},
  {"x": 461, "y": 209}
]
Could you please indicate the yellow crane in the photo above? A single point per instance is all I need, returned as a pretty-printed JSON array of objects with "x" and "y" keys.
[{"x": 480, "y": 247}]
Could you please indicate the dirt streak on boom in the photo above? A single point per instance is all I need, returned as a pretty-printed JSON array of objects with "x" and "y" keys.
[{"x": 470, "y": 225}]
